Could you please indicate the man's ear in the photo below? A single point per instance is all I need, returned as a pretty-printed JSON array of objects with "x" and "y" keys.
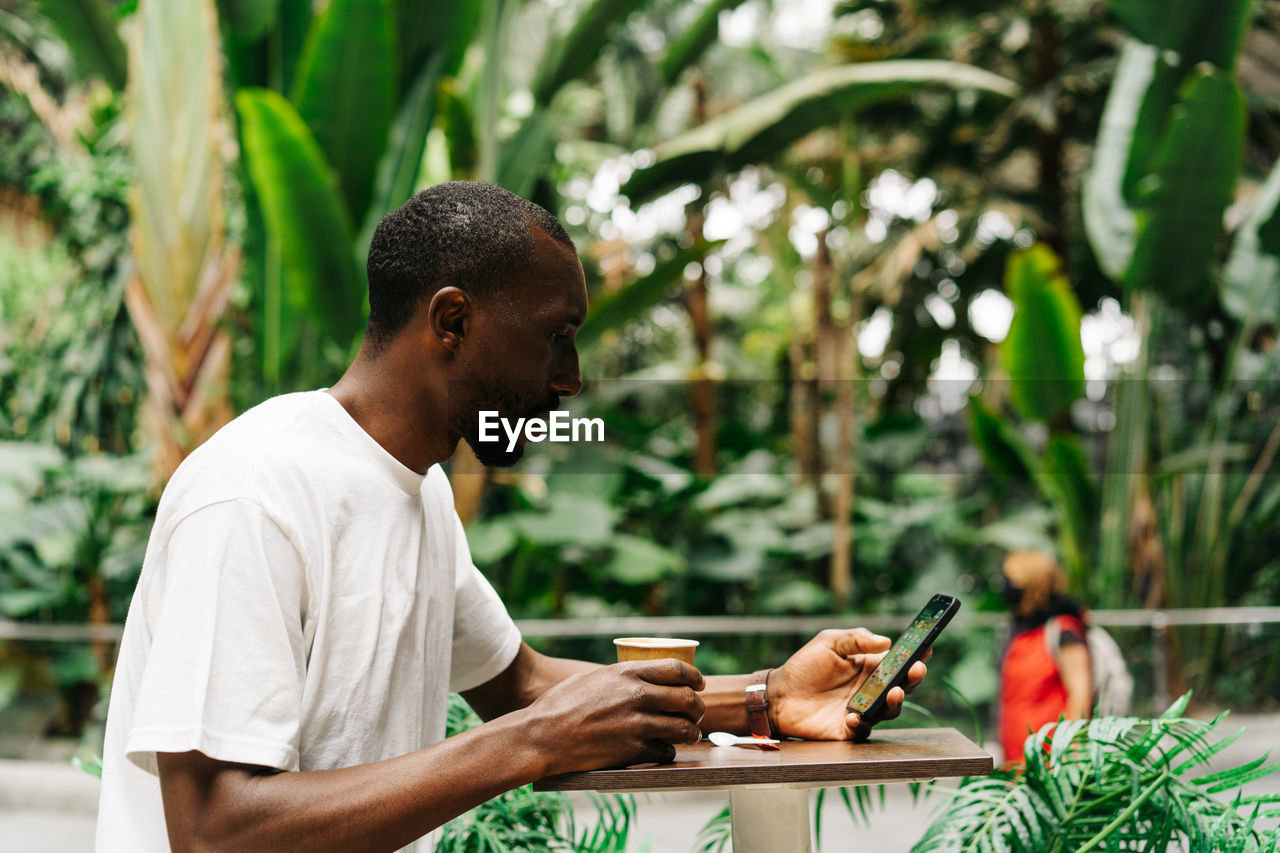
[{"x": 449, "y": 316}]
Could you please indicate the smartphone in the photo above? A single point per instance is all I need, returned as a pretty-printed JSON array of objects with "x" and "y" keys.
[{"x": 910, "y": 647}]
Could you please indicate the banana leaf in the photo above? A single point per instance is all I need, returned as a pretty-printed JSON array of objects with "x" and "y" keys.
[
  {"x": 174, "y": 118},
  {"x": 401, "y": 163},
  {"x": 689, "y": 47},
  {"x": 433, "y": 31},
  {"x": 1192, "y": 180},
  {"x": 523, "y": 157},
  {"x": 1042, "y": 351},
  {"x": 1197, "y": 30},
  {"x": 344, "y": 91},
  {"x": 249, "y": 19},
  {"x": 763, "y": 127},
  {"x": 568, "y": 57},
  {"x": 1109, "y": 220},
  {"x": 1005, "y": 451},
  {"x": 303, "y": 212},
  {"x": 1251, "y": 283}
]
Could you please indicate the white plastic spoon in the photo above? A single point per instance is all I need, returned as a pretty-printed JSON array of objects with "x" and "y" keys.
[{"x": 726, "y": 739}]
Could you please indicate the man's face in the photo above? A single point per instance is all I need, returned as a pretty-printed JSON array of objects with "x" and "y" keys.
[{"x": 519, "y": 358}]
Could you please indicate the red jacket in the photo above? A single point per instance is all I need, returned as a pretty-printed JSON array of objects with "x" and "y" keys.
[{"x": 1031, "y": 689}]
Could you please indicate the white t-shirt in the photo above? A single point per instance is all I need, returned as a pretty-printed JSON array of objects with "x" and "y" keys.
[{"x": 306, "y": 603}]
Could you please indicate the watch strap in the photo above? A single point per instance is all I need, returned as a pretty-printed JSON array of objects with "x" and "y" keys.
[{"x": 758, "y": 704}]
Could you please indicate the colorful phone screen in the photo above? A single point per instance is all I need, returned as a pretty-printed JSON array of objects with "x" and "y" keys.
[{"x": 901, "y": 651}]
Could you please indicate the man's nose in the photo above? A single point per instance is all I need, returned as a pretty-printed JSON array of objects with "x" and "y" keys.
[{"x": 567, "y": 381}]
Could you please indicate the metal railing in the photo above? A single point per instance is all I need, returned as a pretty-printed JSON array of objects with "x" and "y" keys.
[
  {"x": 659, "y": 625},
  {"x": 1157, "y": 621}
]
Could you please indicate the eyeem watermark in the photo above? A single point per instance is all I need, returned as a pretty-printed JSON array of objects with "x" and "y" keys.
[{"x": 558, "y": 427}]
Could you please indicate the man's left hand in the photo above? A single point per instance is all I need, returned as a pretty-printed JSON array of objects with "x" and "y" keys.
[{"x": 808, "y": 694}]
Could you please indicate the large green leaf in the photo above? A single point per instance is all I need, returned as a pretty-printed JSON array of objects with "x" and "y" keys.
[
  {"x": 763, "y": 127},
  {"x": 344, "y": 91},
  {"x": 1109, "y": 220},
  {"x": 1006, "y": 453},
  {"x": 637, "y": 561},
  {"x": 399, "y": 170},
  {"x": 303, "y": 213},
  {"x": 433, "y": 30},
  {"x": 1042, "y": 352},
  {"x": 175, "y": 119},
  {"x": 491, "y": 540},
  {"x": 1192, "y": 178},
  {"x": 569, "y": 56},
  {"x": 1065, "y": 479},
  {"x": 693, "y": 42},
  {"x": 616, "y": 309},
  {"x": 1251, "y": 284},
  {"x": 89, "y": 31},
  {"x": 1197, "y": 30},
  {"x": 570, "y": 519},
  {"x": 249, "y": 19},
  {"x": 523, "y": 157}
]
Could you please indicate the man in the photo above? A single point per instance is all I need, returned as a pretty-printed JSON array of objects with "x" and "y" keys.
[{"x": 307, "y": 599}]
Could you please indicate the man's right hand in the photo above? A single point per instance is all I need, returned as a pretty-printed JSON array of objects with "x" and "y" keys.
[{"x": 626, "y": 713}]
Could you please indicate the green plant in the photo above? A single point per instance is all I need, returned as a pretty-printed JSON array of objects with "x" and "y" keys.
[
  {"x": 69, "y": 368},
  {"x": 1045, "y": 363},
  {"x": 1112, "y": 783},
  {"x": 72, "y": 536},
  {"x": 524, "y": 819}
]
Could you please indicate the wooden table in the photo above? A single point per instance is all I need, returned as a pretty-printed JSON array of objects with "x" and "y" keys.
[{"x": 768, "y": 790}]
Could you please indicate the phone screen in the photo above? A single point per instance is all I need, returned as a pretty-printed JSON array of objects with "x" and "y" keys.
[{"x": 901, "y": 653}]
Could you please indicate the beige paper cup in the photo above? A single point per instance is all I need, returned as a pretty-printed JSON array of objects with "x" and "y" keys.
[{"x": 655, "y": 648}]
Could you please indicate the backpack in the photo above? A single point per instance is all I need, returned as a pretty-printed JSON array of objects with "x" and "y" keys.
[{"x": 1112, "y": 683}]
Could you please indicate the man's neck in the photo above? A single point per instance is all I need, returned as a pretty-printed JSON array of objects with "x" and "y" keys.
[{"x": 409, "y": 419}]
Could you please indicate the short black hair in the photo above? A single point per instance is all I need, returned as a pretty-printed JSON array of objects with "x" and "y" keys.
[{"x": 470, "y": 235}]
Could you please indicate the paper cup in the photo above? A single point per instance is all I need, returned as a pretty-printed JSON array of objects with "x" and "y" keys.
[{"x": 655, "y": 648}]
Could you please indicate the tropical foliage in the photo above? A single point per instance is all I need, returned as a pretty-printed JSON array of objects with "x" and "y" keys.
[
  {"x": 795, "y": 234},
  {"x": 1114, "y": 783}
]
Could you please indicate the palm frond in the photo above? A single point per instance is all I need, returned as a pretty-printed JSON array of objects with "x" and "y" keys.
[
  {"x": 716, "y": 835},
  {"x": 1112, "y": 784}
]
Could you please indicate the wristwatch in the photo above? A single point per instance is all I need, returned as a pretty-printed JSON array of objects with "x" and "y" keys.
[{"x": 758, "y": 704}]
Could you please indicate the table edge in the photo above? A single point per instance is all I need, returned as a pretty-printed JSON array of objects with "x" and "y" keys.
[{"x": 873, "y": 772}]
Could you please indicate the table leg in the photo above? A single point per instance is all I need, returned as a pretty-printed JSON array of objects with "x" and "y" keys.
[{"x": 770, "y": 820}]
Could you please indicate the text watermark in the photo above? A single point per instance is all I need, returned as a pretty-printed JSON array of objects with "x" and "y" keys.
[{"x": 558, "y": 427}]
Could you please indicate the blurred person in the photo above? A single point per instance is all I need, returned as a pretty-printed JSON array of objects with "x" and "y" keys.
[
  {"x": 308, "y": 600},
  {"x": 1044, "y": 665}
]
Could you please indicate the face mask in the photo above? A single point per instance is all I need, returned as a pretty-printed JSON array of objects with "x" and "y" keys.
[{"x": 1011, "y": 594}]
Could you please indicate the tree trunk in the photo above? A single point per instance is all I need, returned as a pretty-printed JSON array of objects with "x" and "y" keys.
[
  {"x": 803, "y": 398},
  {"x": 846, "y": 452},
  {"x": 702, "y": 391},
  {"x": 1050, "y": 133},
  {"x": 825, "y": 358}
]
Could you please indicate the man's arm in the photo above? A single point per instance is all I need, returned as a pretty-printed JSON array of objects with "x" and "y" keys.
[
  {"x": 531, "y": 674},
  {"x": 807, "y": 694},
  {"x": 609, "y": 717}
]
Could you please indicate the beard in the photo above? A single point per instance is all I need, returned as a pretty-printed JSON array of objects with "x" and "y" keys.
[{"x": 467, "y": 400}]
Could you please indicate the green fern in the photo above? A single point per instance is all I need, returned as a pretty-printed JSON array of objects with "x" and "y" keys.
[{"x": 1112, "y": 784}]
